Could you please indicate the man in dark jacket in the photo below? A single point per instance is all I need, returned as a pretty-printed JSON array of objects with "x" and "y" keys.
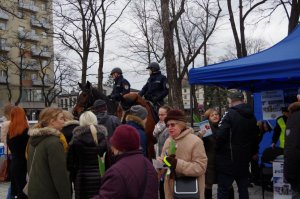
[
  {"x": 292, "y": 149},
  {"x": 109, "y": 121},
  {"x": 280, "y": 127},
  {"x": 132, "y": 176},
  {"x": 237, "y": 144},
  {"x": 121, "y": 85},
  {"x": 156, "y": 88}
]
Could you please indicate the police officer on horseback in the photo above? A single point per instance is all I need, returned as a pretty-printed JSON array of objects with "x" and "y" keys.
[
  {"x": 156, "y": 88},
  {"x": 121, "y": 85}
]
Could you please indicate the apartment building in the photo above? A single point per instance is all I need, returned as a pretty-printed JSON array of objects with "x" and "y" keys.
[
  {"x": 186, "y": 93},
  {"x": 26, "y": 53}
]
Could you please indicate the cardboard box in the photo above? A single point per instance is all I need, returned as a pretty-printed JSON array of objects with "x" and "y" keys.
[{"x": 282, "y": 190}]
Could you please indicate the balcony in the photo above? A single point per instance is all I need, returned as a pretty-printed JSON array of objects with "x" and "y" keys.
[
  {"x": 30, "y": 36},
  {"x": 28, "y": 7},
  {"x": 4, "y": 48},
  {"x": 39, "y": 24},
  {"x": 37, "y": 53},
  {"x": 40, "y": 83},
  {"x": 3, "y": 15}
]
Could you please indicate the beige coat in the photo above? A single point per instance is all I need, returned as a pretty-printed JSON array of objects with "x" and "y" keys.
[{"x": 191, "y": 160}]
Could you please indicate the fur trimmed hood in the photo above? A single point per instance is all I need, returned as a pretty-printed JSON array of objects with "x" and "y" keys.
[
  {"x": 71, "y": 122},
  {"x": 294, "y": 107},
  {"x": 80, "y": 130},
  {"x": 135, "y": 119},
  {"x": 39, "y": 134},
  {"x": 43, "y": 131}
]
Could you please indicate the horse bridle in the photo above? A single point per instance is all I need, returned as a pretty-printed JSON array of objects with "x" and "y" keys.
[{"x": 90, "y": 101}]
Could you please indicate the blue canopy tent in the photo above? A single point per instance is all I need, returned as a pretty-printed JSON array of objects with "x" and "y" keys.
[{"x": 275, "y": 68}]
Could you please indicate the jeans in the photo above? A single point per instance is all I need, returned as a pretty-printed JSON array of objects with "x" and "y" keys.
[
  {"x": 225, "y": 183},
  {"x": 9, "y": 192}
]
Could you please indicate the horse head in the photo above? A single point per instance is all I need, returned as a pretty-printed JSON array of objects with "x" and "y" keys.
[
  {"x": 88, "y": 96},
  {"x": 85, "y": 99}
]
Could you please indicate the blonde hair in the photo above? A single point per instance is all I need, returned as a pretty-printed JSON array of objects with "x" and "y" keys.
[
  {"x": 67, "y": 115},
  {"x": 88, "y": 118},
  {"x": 209, "y": 111},
  {"x": 46, "y": 115}
]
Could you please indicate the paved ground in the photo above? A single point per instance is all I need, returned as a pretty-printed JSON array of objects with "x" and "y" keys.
[{"x": 255, "y": 192}]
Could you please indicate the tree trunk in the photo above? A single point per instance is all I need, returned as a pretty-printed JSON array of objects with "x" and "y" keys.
[
  {"x": 294, "y": 18},
  {"x": 234, "y": 31},
  {"x": 169, "y": 53}
]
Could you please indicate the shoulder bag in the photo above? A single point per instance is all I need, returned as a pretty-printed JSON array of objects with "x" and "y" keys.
[{"x": 186, "y": 187}]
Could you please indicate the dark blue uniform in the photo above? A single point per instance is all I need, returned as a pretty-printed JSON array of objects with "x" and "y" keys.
[
  {"x": 121, "y": 87},
  {"x": 156, "y": 88}
]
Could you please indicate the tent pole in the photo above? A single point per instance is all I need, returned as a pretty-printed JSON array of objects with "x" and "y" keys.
[{"x": 192, "y": 90}]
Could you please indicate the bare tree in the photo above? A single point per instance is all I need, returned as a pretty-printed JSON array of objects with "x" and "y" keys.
[
  {"x": 54, "y": 79},
  {"x": 103, "y": 19},
  {"x": 144, "y": 44},
  {"x": 73, "y": 27}
]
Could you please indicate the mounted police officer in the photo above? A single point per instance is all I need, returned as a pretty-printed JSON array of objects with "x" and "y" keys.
[
  {"x": 121, "y": 85},
  {"x": 156, "y": 88}
]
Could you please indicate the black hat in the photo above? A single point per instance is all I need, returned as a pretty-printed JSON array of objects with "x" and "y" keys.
[
  {"x": 99, "y": 105},
  {"x": 236, "y": 95},
  {"x": 153, "y": 66},
  {"x": 116, "y": 70}
]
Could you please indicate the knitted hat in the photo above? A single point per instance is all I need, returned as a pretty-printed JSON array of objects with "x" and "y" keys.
[
  {"x": 236, "y": 95},
  {"x": 99, "y": 105},
  {"x": 125, "y": 138},
  {"x": 138, "y": 111},
  {"x": 175, "y": 115}
]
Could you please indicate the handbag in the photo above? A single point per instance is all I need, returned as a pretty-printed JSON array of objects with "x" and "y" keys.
[
  {"x": 4, "y": 168},
  {"x": 25, "y": 189},
  {"x": 186, "y": 187}
]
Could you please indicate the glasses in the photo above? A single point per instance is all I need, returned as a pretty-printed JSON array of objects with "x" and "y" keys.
[{"x": 171, "y": 124}]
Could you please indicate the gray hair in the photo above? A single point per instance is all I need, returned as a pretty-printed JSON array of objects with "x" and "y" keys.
[{"x": 88, "y": 118}]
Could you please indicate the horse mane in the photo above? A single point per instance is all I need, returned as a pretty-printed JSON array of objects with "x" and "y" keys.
[{"x": 97, "y": 94}]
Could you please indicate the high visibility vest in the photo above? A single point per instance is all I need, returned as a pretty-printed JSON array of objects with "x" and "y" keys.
[{"x": 282, "y": 126}]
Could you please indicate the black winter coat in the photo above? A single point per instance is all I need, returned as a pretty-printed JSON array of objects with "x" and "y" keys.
[
  {"x": 156, "y": 88},
  {"x": 237, "y": 140},
  {"x": 18, "y": 165},
  {"x": 292, "y": 148},
  {"x": 120, "y": 88},
  {"x": 111, "y": 122},
  {"x": 82, "y": 160},
  {"x": 68, "y": 128}
]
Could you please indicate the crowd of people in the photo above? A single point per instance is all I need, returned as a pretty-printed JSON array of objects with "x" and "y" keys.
[{"x": 59, "y": 157}]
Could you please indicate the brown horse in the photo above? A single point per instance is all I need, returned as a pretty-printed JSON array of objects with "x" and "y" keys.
[
  {"x": 88, "y": 96},
  {"x": 131, "y": 99}
]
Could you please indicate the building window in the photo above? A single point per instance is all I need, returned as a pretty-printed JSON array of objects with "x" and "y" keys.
[
  {"x": 2, "y": 26},
  {"x": 66, "y": 103},
  {"x": 30, "y": 95},
  {"x": 184, "y": 90},
  {"x": 61, "y": 103},
  {"x": 44, "y": 35},
  {"x": 2, "y": 73},
  {"x": 184, "y": 97},
  {"x": 33, "y": 76}
]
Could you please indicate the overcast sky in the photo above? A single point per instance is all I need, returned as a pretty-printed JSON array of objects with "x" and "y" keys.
[{"x": 272, "y": 32}]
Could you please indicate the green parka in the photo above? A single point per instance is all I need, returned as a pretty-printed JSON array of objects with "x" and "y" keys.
[{"x": 49, "y": 177}]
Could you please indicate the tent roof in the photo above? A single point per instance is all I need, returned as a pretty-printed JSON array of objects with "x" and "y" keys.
[{"x": 275, "y": 68}]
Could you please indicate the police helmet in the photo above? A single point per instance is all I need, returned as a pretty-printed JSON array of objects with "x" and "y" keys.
[
  {"x": 116, "y": 70},
  {"x": 153, "y": 66}
]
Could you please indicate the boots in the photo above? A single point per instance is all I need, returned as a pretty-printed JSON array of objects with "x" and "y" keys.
[{"x": 208, "y": 193}]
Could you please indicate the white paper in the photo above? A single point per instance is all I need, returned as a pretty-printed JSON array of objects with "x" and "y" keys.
[{"x": 204, "y": 125}]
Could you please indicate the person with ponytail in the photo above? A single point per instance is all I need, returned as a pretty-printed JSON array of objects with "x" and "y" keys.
[
  {"x": 87, "y": 143},
  {"x": 46, "y": 166},
  {"x": 17, "y": 139}
]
